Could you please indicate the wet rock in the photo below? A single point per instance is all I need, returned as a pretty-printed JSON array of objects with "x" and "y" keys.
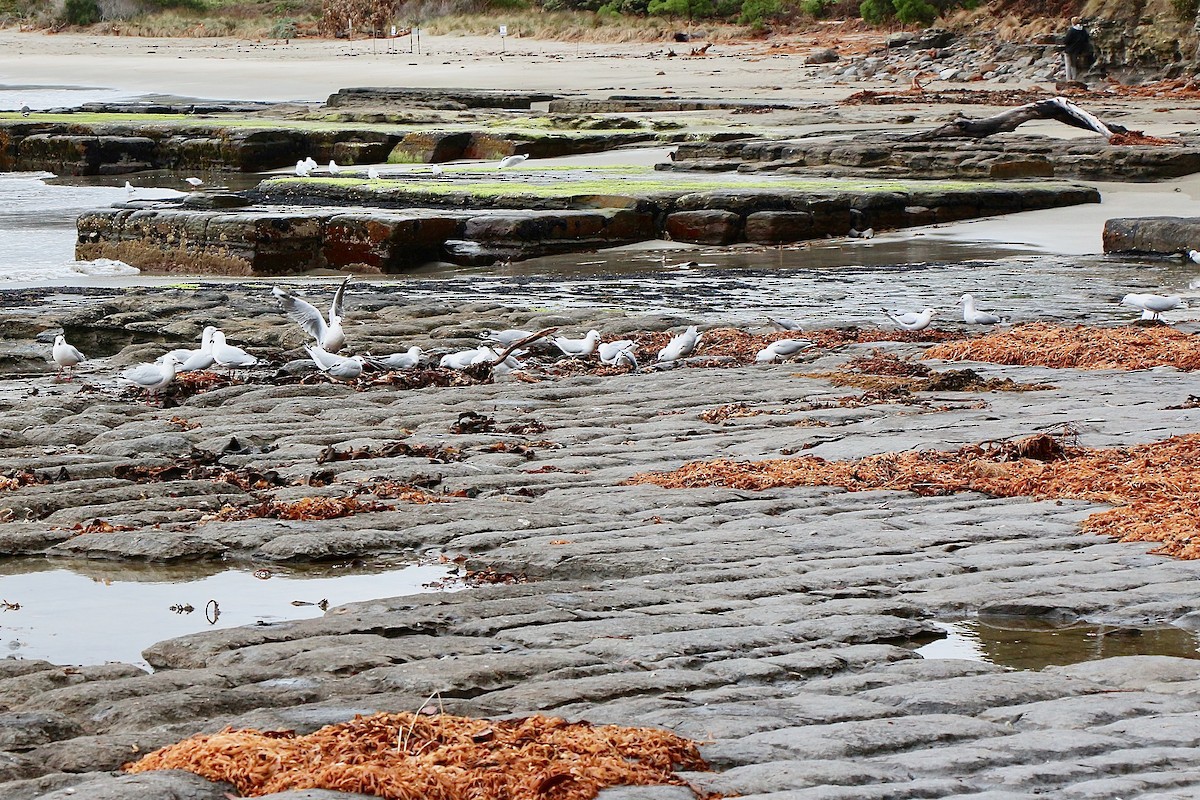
[
  {"x": 434, "y": 98},
  {"x": 704, "y": 227},
  {"x": 1154, "y": 235}
]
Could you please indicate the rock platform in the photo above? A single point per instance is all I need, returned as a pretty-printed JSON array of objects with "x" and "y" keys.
[
  {"x": 997, "y": 158},
  {"x": 777, "y": 627},
  {"x": 393, "y": 226},
  {"x": 1167, "y": 236}
]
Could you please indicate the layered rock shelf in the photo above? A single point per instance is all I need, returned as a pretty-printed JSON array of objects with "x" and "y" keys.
[
  {"x": 1152, "y": 235},
  {"x": 345, "y": 226},
  {"x": 996, "y": 158},
  {"x": 69, "y": 147}
]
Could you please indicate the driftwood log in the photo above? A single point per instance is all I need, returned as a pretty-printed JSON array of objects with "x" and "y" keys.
[{"x": 1056, "y": 108}]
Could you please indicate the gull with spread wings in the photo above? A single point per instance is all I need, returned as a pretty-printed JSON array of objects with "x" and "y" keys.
[{"x": 328, "y": 335}]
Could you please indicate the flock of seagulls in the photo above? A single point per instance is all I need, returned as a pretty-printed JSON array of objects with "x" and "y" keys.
[
  {"x": 499, "y": 349},
  {"x": 308, "y": 166}
]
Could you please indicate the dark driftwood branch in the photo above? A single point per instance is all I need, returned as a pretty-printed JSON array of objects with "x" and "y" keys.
[
  {"x": 1055, "y": 108},
  {"x": 543, "y": 333}
]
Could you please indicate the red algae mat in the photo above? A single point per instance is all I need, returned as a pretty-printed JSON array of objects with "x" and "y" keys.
[
  {"x": 1155, "y": 487},
  {"x": 1079, "y": 347},
  {"x": 440, "y": 757}
]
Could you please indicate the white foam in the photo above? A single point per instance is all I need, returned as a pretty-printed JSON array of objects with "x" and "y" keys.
[{"x": 103, "y": 267}]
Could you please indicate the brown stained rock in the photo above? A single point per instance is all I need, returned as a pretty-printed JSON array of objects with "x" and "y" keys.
[
  {"x": 430, "y": 147},
  {"x": 1025, "y": 168},
  {"x": 1162, "y": 235},
  {"x": 778, "y": 227},
  {"x": 704, "y": 227},
  {"x": 386, "y": 242}
]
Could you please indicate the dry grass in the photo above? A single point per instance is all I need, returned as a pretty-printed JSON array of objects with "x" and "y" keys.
[
  {"x": 1155, "y": 486},
  {"x": 440, "y": 757},
  {"x": 1044, "y": 345}
]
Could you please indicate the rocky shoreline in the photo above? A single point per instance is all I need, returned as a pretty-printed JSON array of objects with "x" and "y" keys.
[{"x": 776, "y": 627}]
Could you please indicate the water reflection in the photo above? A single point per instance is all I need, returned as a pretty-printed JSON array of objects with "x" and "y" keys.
[
  {"x": 1019, "y": 643},
  {"x": 92, "y": 612}
]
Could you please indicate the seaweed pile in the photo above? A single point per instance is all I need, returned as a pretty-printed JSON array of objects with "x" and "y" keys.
[
  {"x": 1155, "y": 487},
  {"x": 1079, "y": 347},
  {"x": 440, "y": 757}
]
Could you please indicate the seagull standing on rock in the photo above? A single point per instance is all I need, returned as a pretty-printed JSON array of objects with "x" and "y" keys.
[
  {"x": 65, "y": 355},
  {"x": 193, "y": 360},
  {"x": 973, "y": 316},
  {"x": 328, "y": 335},
  {"x": 912, "y": 321},
  {"x": 1194, "y": 256},
  {"x": 1152, "y": 305},
  {"x": 228, "y": 355},
  {"x": 407, "y": 360},
  {"x": 195, "y": 183},
  {"x": 153, "y": 377},
  {"x": 578, "y": 348},
  {"x": 334, "y": 169},
  {"x": 680, "y": 346},
  {"x": 372, "y": 174}
]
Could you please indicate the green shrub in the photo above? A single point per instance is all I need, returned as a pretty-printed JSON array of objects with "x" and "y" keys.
[
  {"x": 283, "y": 29},
  {"x": 691, "y": 9},
  {"x": 875, "y": 11},
  {"x": 816, "y": 9},
  {"x": 81, "y": 12},
  {"x": 756, "y": 11},
  {"x": 910, "y": 11}
]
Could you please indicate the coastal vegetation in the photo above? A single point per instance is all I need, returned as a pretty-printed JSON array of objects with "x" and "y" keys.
[{"x": 607, "y": 20}]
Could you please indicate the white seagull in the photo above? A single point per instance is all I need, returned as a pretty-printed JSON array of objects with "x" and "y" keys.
[
  {"x": 1194, "y": 255},
  {"x": 328, "y": 335},
  {"x": 912, "y": 321},
  {"x": 785, "y": 323},
  {"x": 511, "y": 161},
  {"x": 462, "y": 359},
  {"x": 617, "y": 353},
  {"x": 129, "y": 189},
  {"x": 680, "y": 346},
  {"x": 65, "y": 355},
  {"x": 228, "y": 355},
  {"x": 337, "y": 366},
  {"x": 152, "y": 377},
  {"x": 193, "y": 360},
  {"x": 303, "y": 170},
  {"x": 973, "y": 316},
  {"x": 1152, "y": 304},
  {"x": 578, "y": 347},
  {"x": 436, "y": 170},
  {"x": 195, "y": 183},
  {"x": 781, "y": 349},
  {"x": 406, "y": 360},
  {"x": 506, "y": 337},
  {"x": 372, "y": 174},
  {"x": 334, "y": 169}
]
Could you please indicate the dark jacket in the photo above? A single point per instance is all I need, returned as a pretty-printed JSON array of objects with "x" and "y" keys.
[{"x": 1077, "y": 42}]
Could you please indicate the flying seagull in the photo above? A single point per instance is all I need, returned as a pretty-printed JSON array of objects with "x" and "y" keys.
[{"x": 328, "y": 335}]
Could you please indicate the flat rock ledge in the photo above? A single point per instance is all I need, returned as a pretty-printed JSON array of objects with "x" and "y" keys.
[
  {"x": 267, "y": 240},
  {"x": 1166, "y": 236},
  {"x": 117, "y": 148},
  {"x": 998, "y": 157},
  {"x": 776, "y": 627}
]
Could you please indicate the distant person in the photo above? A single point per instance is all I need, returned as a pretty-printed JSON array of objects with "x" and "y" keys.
[{"x": 1077, "y": 50}]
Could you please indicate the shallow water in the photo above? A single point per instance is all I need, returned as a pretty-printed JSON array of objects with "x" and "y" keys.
[
  {"x": 1018, "y": 643},
  {"x": 94, "y": 612}
]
